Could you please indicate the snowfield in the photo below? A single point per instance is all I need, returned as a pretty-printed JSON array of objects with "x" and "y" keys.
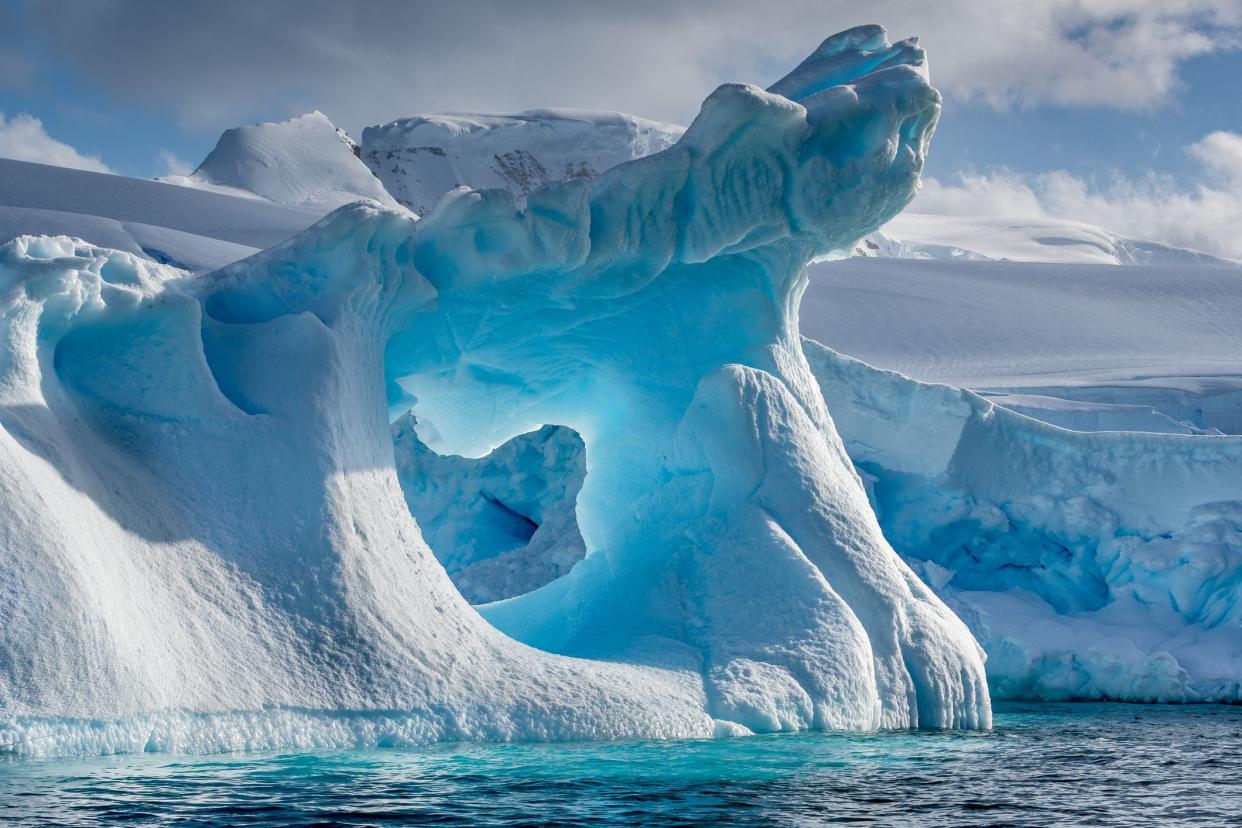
[
  {"x": 1090, "y": 347},
  {"x": 193, "y": 230},
  {"x": 914, "y": 235},
  {"x": 984, "y": 325}
]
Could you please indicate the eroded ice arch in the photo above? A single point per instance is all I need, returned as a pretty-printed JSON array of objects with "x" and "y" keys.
[{"x": 201, "y": 468}]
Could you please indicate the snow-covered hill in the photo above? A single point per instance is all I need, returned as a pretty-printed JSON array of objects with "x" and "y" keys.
[
  {"x": 420, "y": 158},
  {"x": 915, "y": 235},
  {"x": 1080, "y": 345},
  {"x": 259, "y": 186},
  {"x": 188, "y": 228},
  {"x": 305, "y": 161}
]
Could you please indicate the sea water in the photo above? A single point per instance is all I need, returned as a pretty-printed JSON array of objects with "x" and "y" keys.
[{"x": 1079, "y": 764}]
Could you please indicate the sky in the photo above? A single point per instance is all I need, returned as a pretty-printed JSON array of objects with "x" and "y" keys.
[{"x": 1126, "y": 113}]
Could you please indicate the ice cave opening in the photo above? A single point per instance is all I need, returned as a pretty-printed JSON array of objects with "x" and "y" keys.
[{"x": 503, "y": 524}]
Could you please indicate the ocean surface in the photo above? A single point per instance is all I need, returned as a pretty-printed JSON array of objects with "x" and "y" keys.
[{"x": 1043, "y": 764}]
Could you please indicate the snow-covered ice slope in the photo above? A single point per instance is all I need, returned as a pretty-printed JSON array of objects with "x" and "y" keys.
[
  {"x": 1114, "y": 341},
  {"x": 1009, "y": 324},
  {"x": 423, "y": 157},
  {"x": 196, "y": 230},
  {"x": 260, "y": 185},
  {"x": 305, "y": 161},
  {"x": 187, "y": 251},
  {"x": 207, "y": 547},
  {"x": 1105, "y": 565},
  {"x": 917, "y": 235}
]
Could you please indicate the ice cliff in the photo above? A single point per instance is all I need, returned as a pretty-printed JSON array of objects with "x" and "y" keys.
[
  {"x": 206, "y": 546},
  {"x": 1090, "y": 565}
]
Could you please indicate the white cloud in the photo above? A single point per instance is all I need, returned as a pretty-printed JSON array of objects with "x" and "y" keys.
[
  {"x": 23, "y": 138},
  {"x": 997, "y": 193},
  {"x": 1221, "y": 152},
  {"x": 174, "y": 165},
  {"x": 1203, "y": 215},
  {"x": 1123, "y": 54}
]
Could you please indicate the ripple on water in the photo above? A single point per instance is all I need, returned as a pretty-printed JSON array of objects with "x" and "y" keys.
[{"x": 1081, "y": 764}]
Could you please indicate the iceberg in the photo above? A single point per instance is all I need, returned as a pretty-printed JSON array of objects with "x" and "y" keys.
[{"x": 206, "y": 545}]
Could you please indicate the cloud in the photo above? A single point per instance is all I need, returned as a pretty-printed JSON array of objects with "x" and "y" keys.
[
  {"x": 1203, "y": 215},
  {"x": 1221, "y": 152},
  {"x": 217, "y": 64},
  {"x": 23, "y": 138},
  {"x": 172, "y": 164}
]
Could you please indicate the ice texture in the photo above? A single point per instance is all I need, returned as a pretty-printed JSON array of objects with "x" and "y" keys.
[
  {"x": 1090, "y": 565},
  {"x": 501, "y": 525},
  {"x": 206, "y": 541}
]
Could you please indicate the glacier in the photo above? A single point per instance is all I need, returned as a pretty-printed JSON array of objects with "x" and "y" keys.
[
  {"x": 207, "y": 547},
  {"x": 1102, "y": 565}
]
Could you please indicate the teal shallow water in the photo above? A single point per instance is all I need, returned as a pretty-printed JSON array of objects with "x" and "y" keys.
[{"x": 1079, "y": 764}]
